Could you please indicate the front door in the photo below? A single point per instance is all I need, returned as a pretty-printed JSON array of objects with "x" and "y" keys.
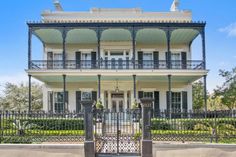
[{"x": 117, "y": 105}]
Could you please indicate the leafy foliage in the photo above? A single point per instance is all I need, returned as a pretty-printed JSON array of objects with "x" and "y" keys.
[
  {"x": 227, "y": 91},
  {"x": 198, "y": 97},
  {"x": 15, "y": 97}
]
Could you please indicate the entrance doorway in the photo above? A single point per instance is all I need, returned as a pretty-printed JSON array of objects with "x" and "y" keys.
[{"x": 117, "y": 102}]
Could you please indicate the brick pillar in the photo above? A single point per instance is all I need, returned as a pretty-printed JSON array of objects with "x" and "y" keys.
[
  {"x": 146, "y": 146},
  {"x": 89, "y": 149}
]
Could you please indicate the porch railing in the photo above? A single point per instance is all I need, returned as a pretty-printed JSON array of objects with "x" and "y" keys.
[{"x": 117, "y": 64}]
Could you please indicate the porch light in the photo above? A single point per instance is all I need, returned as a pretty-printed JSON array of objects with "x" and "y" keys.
[{"x": 117, "y": 88}]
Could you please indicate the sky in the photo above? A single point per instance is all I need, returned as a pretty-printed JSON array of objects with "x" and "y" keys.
[{"x": 220, "y": 31}]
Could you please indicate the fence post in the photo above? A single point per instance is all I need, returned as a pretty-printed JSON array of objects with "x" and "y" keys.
[
  {"x": 89, "y": 150},
  {"x": 146, "y": 146}
]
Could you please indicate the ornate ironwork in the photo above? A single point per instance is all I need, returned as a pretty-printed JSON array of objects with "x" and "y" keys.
[
  {"x": 43, "y": 127},
  {"x": 116, "y": 64},
  {"x": 117, "y": 132},
  {"x": 198, "y": 126}
]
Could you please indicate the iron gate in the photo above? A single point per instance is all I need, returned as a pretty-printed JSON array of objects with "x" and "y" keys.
[{"x": 117, "y": 132}]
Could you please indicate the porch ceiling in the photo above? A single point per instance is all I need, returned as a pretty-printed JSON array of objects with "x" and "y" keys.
[
  {"x": 143, "y": 36},
  {"x": 50, "y": 36},
  {"x": 81, "y": 36},
  {"x": 70, "y": 79}
]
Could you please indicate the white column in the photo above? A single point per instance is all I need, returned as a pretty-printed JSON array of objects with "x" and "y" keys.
[
  {"x": 125, "y": 99},
  {"x": 132, "y": 97},
  {"x": 102, "y": 98},
  {"x": 109, "y": 99}
]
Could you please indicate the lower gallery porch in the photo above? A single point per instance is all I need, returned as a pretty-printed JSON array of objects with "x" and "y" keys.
[{"x": 118, "y": 93}]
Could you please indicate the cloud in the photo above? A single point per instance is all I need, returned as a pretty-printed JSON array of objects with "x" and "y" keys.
[{"x": 230, "y": 30}]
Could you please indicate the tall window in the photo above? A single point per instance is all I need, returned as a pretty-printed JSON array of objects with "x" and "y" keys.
[
  {"x": 148, "y": 95},
  {"x": 176, "y": 101},
  {"x": 147, "y": 60},
  {"x": 57, "y": 56},
  {"x": 175, "y": 60},
  {"x": 86, "y": 96},
  {"x": 58, "y": 102},
  {"x": 86, "y": 60}
]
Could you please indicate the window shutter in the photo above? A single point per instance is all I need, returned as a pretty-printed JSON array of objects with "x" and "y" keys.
[
  {"x": 167, "y": 101},
  {"x": 94, "y": 95},
  {"x": 93, "y": 59},
  {"x": 140, "y": 59},
  {"x": 78, "y": 101},
  {"x": 66, "y": 100},
  {"x": 156, "y": 59},
  {"x": 156, "y": 101},
  {"x": 185, "y": 101},
  {"x": 140, "y": 94},
  {"x": 184, "y": 60},
  {"x": 78, "y": 59}
]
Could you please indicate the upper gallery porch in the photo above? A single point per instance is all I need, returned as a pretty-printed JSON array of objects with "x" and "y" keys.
[{"x": 161, "y": 45}]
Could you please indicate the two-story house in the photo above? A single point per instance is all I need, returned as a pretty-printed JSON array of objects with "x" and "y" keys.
[{"x": 116, "y": 56}]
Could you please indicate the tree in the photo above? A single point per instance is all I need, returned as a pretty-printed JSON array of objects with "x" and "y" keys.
[
  {"x": 198, "y": 96},
  {"x": 15, "y": 97},
  {"x": 228, "y": 90}
]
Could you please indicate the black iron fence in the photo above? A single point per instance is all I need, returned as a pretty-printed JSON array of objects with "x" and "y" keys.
[
  {"x": 181, "y": 126},
  {"x": 116, "y": 64},
  {"x": 211, "y": 126},
  {"x": 34, "y": 127}
]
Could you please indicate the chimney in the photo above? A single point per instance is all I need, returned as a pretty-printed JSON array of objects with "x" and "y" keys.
[
  {"x": 57, "y": 5},
  {"x": 175, "y": 5}
]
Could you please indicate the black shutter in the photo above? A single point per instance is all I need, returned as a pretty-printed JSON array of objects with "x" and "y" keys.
[
  {"x": 156, "y": 102},
  {"x": 140, "y": 94},
  {"x": 94, "y": 95},
  {"x": 156, "y": 59},
  {"x": 66, "y": 100},
  {"x": 78, "y": 59},
  {"x": 167, "y": 101},
  {"x": 93, "y": 59},
  {"x": 78, "y": 101},
  {"x": 140, "y": 60},
  {"x": 185, "y": 101},
  {"x": 184, "y": 60}
]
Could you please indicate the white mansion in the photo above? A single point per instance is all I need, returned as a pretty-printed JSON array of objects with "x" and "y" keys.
[{"x": 116, "y": 56}]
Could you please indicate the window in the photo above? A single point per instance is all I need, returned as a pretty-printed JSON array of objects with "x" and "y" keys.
[
  {"x": 176, "y": 100},
  {"x": 175, "y": 56},
  {"x": 147, "y": 60},
  {"x": 176, "y": 63},
  {"x": 147, "y": 56},
  {"x": 86, "y": 56},
  {"x": 86, "y": 96},
  {"x": 58, "y": 101},
  {"x": 148, "y": 95},
  {"x": 57, "y": 56}
]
